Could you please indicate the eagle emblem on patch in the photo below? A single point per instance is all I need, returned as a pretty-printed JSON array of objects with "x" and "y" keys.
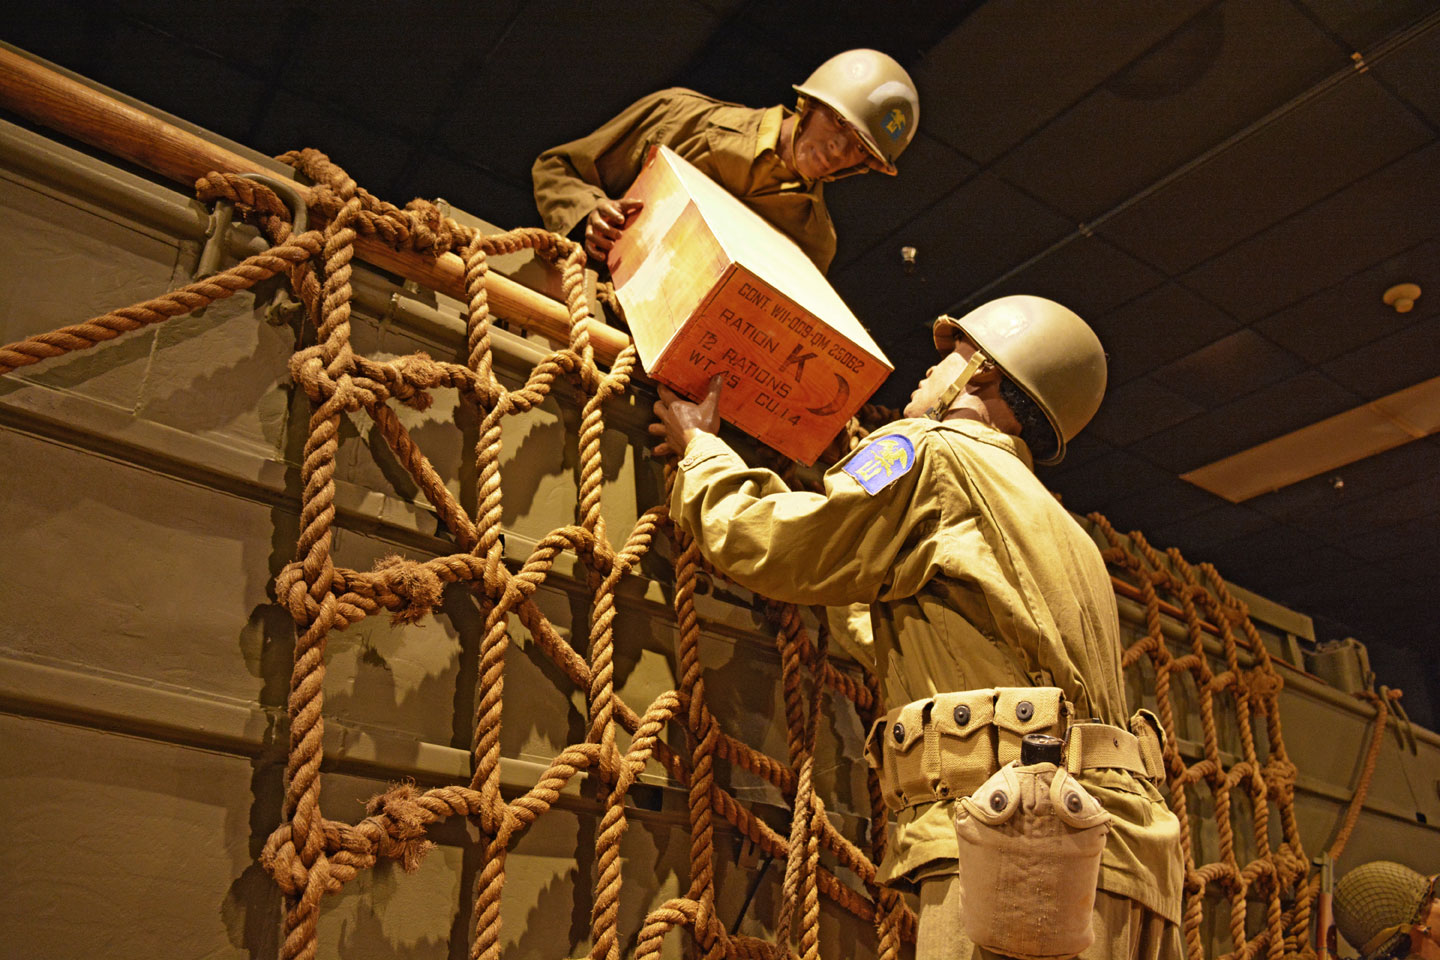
[
  {"x": 895, "y": 123},
  {"x": 881, "y": 463}
]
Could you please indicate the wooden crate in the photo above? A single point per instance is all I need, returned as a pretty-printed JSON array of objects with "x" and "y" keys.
[{"x": 709, "y": 287}]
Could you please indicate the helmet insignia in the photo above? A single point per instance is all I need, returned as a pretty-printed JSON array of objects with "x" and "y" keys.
[{"x": 895, "y": 123}]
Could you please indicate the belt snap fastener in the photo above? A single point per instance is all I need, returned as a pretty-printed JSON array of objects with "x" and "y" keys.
[
  {"x": 944, "y": 790},
  {"x": 997, "y": 800},
  {"x": 899, "y": 732},
  {"x": 1072, "y": 802},
  {"x": 1024, "y": 710},
  {"x": 962, "y": 715}
]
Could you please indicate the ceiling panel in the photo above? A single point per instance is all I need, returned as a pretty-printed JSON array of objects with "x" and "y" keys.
[
  {"x": 905, "y": 29},
  {"x": 136, "y": 57},
  {"x": 266, "y": 29},
  {"x": 1378, "y": 217},
  {"x": 964, "y": 240},
  {"x": 1394, "y": 540},
  {"x": 1363, "y": 481},
  {"x": 365, "y": 152},
  {"x": 1231, "y": 367},
  {"x": 1352, "y": 129},
  {"x": 739, "y": 64},
  {"x": 1389, "y": 512},
  {"x": 541, "y": 85},
  {"x": 1080, "y": 450},
  {"x": 1253, "y": 419},
  {"x": 345, "y": 56},
  {"x": 1067, "y": 274},
  {"x": 1163, "y": 325},
  {"x": 1164, "y": 501},
  {"x": 1209, "y": 80},
  {"x": 1364, "y": 23},
  {"x": 1274, "y": 558},
  {"x": 1137, "y": 409},
  {"x": 997, "y": 90},
  {"x": 1352, "y": 313},
  {"x": 1358, "y": 591},
  {"x": 1415, "y": 569},
  {"x": 1410, "y": 72},
  {"x": 1396, "y": 607},
  {"x": 468, "y": 187},
  {"x": 1398, "y": 361},
  {"x": 866, "y": 209},
  {"x": 1106, "y": 480},
  {"x": 1196, "y": 534}
]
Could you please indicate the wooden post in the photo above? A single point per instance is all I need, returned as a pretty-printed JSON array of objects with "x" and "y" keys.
[{"x": 67, "y": 106}]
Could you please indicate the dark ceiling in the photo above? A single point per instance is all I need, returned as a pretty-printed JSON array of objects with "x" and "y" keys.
[{"x": 1223, "y": 189}]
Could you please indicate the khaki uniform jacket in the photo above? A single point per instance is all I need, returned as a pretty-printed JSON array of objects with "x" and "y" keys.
[
  {"x": 976, "y": 577},
  {"x": 733, "y": 145}
]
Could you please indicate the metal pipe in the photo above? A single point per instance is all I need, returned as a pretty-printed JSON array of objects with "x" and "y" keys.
[{"x": 51, "y": 99}]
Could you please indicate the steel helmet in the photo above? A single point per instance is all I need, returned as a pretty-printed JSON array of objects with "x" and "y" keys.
[
  {"x": 1044, "y": 349},
  {"x": 874, "y": 94},
  {"x": 1377, "y": 902}
]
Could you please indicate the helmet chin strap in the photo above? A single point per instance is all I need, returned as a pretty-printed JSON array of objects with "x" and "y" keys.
[
  {"x": 802, "y": 106},
  {"x": 942, "y": 406}
]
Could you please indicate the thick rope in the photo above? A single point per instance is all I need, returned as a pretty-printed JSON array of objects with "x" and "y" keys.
[{"x": 311, "y": 856}]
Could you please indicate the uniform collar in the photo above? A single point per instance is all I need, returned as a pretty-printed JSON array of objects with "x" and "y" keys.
[
  {"x": 770, "y": 169},
  {"x": 984, "y": 433},
  {"x": 767, "y": 136}
]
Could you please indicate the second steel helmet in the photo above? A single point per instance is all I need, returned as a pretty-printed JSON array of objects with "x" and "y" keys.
[
  {"x": 1045, "y": 349},
  {"x": 874, "y": 94},
  {"x": 1377, "y": 902}
]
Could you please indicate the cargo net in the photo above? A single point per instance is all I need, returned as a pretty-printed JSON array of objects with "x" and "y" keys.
[
  {"x": 311, "y": 856},
  {"x": 1278, "y": 883}
]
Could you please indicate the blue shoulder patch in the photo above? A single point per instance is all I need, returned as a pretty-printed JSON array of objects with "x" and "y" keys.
[{"x": 881, "y": 462}]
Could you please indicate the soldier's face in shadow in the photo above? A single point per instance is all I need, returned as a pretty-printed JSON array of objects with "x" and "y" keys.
[{"x": 826, "y": 145}]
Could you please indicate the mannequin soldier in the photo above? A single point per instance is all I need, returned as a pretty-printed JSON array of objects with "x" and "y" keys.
[
  {"x": 992, "y": 611},
  {"x": 856, "y": 113}
]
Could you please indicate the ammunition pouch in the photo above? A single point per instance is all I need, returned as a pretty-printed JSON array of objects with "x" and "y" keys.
[
  {"x": 1030, "y": 841},
  {"x": 1022, "y": 710},
  {"x": 948, "y": 745}
]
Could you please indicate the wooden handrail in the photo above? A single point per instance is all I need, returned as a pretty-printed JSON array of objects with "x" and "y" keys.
[{"x": 49, "y": 98}]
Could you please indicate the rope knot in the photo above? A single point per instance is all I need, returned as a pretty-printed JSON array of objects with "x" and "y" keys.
[
  {"x": 404, "y": 818},
  {"x": 495, "y": 576},
  {"x": 350, "y": 394},
  {"x": 1265, "y": 683},
  {"x": 292, "y": 590},
  {"x": 415, "y": 584},
  {"x": 612, "y": 766},
  {"x": 307, "y": 369},
  {"x": 282, "y": 861}
]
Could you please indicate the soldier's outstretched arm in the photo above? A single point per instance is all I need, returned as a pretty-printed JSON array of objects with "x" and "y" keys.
[
  {"x": 834, "y": 548},
  {"x": 572, "y": 179}
]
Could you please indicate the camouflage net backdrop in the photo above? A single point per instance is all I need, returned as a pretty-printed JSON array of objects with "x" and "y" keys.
[{"x": 311, "y": 856}]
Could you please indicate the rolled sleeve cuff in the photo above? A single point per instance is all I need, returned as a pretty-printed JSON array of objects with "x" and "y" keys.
[
  {"x": 706, "y": 457},
  {"x": 706, "y": 446}
]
